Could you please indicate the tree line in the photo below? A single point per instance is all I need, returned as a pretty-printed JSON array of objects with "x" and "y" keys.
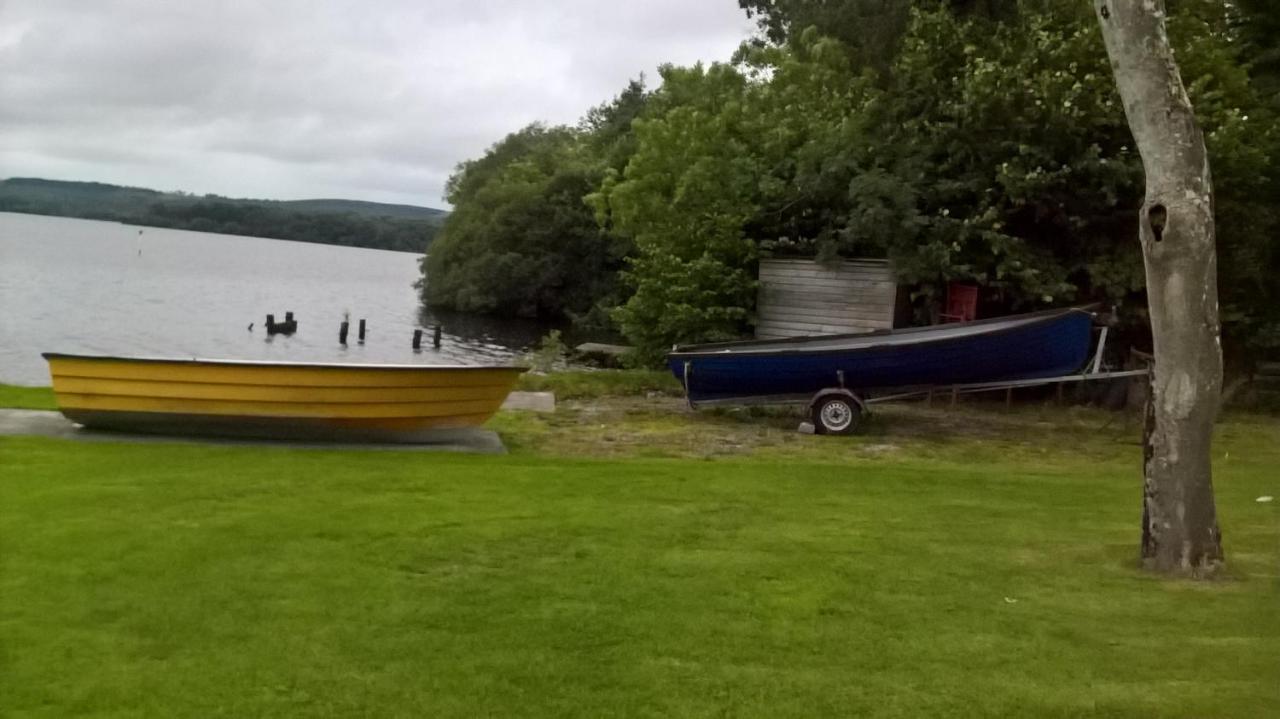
[
  {"x": 211, "y": 213},
  {"x": 979, "y": 141}
]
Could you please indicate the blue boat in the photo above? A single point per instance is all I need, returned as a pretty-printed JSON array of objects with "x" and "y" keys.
[{"x": 1020, "y": 347}]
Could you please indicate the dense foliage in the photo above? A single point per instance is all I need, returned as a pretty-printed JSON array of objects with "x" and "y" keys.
[
  {"x": 331, "y": 222},
  {"x": 522, "y": 240},
  {"x": 725, "y": 160},
  {"x": 979, "y": 141}
]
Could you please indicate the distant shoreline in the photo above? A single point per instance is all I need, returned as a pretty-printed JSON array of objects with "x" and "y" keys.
[
  {"x": 348, "y": 223},
  {"x": 418, "y": 253}
]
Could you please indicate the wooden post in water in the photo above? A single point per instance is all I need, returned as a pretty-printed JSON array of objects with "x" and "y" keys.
[
  {"x": 435, "y": 336},
  {"x": 417, "y": 339},
  {"x": 360, "y": 332},
  {"x": 271, "y": 323},
  {"x": 342, "y": 332}
]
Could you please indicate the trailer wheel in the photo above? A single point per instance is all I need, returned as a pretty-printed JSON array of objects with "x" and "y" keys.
[{"x": 836, "y": 414}]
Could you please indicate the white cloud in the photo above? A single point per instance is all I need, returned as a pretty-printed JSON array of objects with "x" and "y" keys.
[{"x": 287, "y": 99}]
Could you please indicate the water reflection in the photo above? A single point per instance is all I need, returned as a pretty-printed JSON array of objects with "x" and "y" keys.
[{"x": 484, "y": 333}]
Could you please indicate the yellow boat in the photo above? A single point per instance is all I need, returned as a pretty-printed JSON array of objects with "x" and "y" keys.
[{"x": 276, "y": 400}]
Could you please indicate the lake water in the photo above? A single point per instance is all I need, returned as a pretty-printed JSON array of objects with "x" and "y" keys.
[{"x": 83, "y": 286}]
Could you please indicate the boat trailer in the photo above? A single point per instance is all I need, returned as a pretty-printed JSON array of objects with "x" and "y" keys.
[{"x": 838, "y": 409}]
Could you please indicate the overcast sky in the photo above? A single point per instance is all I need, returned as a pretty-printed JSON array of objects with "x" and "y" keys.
[{"x": 286, "y": 99}]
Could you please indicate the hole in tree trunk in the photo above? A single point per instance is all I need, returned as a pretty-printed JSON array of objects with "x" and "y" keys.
[
  {"x": 1106, "y": 14},
  {"x": 1157, "y": 216}
]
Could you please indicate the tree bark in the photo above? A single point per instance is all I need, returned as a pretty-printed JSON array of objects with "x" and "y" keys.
[{"x": 1180, "y": 526}]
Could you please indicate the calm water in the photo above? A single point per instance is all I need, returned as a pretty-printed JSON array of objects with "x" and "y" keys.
[{"x": 82, "y": 286}]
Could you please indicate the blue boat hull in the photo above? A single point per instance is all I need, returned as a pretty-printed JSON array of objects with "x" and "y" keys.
[{"x": 1030, "y": 347}]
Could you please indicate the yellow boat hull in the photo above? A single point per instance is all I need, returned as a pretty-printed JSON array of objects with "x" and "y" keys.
[{"x": 330, "y": 402}]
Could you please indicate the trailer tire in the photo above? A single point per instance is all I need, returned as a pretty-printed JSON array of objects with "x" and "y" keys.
[{"x": 836, "y": 414}]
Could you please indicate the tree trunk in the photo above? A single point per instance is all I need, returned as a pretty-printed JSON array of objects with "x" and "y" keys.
[{"x": 1180, "y": 526}]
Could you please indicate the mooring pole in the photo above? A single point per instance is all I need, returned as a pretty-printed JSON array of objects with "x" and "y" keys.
[
  {"x": 417, "y": 339},
  {"x": 435, "y": 337},
  {"x": 342, "y": 332},
  {"x": 360, "y": 332}
]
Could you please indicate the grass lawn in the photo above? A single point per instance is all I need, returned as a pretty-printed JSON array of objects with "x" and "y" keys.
[
  {"x": 578, "y": 384},
  {"x": 633, "y": 559},
  {"x": 16, "y": 397}
]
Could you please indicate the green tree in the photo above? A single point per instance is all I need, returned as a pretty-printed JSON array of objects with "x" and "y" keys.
[
  {"x": 521, "y": 241},
  {"x": 688, "y": 190},
  {"x": 1257, "y": 25},
  {"x": 607, "y": 127},
  {"x": 729, "y": 160},
  {"x": 1003, "y": 157},
  {"x": 999, "y": 146},
  {"x": 870, "y": 30}
]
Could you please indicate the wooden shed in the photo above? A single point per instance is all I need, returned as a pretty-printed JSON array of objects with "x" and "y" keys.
[{"x": 801, "y": 297}]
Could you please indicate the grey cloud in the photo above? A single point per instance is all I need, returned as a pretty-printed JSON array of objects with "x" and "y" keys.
[{"x": 374, "y": 100}]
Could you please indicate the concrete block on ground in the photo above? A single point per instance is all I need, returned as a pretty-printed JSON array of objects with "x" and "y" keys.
[
  {"x": 13, "y": 422},
  {"x": 604, "y": 355},
  {"x": 38, "y": 422},
  {"x": 531, "y": 401}
]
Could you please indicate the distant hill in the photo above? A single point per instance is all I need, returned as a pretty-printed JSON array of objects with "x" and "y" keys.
[
  {"x": 340, "y": 222},
  {"x": 370, "y": 209}
]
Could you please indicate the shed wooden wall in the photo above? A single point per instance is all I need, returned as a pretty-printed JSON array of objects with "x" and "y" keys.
[{"x": 802, "y": 297}]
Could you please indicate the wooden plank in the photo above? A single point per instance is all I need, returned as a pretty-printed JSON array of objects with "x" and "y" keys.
[
  {"x": 774, "y": 263},
  {"x": 766, "y": 267},
  {"x": 822, "y": 319},
  {"x": 798, "y": 294},
  {"x": 842, "y": 321},
  {"x": 843, "y": 277},
  {"x": 836, "y": 287},
  {"x": 818, "y": 274},
  {"x": 833, "y": 305},
  {"x": 802, "y": 328},
  {"x": 823, "y": 285},
  {"x": 853, "y": 312},
  {"x": 799, "y": 297},
  {"x": 815, "y": 267},
  {"x": 825, "y": 317},
  {"x": 816, "y": 271},
  {"x": 828, "y": 309},
  {"x": 825, "y": 277},
  {"x": 811, "y": 261},
  {"x": 784, "y": 332},
  {"x": 882, "y": 294}
]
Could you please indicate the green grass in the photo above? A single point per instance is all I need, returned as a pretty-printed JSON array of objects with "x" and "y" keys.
[
  {"x": 898, "y": 574},
  {"x": 15, "y": 397},
  {"x": 585, "y": 384}
]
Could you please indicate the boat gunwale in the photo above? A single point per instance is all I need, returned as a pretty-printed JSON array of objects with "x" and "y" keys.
[
  {"x": 746, "y": 348},
  {"x": 200, "y": 361}
]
